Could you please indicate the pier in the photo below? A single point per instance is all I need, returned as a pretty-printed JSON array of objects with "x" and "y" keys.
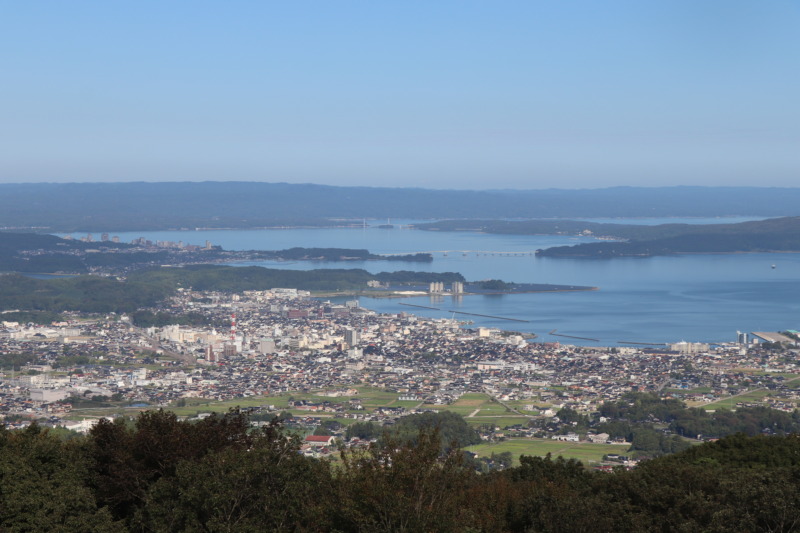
[
  {"x": 554, "y": 334},
  {"x": 488, "y": 316},
  {"x": 468, "y": 252},
  {"x": 420, "y": 306},
  {"x": 464, "y": 312}
]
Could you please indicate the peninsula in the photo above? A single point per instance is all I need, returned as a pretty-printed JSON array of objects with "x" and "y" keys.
[
  {"x": 31, "y": 252},
  {"x": 96, "y": 294},
  {"x": 771, "y": 235}
]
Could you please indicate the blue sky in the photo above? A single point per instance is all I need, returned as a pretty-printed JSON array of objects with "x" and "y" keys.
[{"x": 442, "y": 94}]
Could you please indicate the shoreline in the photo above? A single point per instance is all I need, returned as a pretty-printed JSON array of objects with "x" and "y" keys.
[
  {"x": 417, "y": 294},
  {"x": 671, "y": 254}
]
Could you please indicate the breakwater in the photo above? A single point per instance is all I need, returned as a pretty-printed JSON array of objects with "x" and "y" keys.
[
  {"x": 419, "y": 306},
  {"x": 488, "y": 316},
  {"x": 554, "y": 334}
]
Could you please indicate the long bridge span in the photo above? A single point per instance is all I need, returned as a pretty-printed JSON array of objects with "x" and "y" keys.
[{"x": 467, "y": 252}]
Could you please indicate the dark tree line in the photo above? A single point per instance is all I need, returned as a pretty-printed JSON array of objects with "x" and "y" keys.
[
  {"x": 219, "y": 474},
  {"x": 636, "y": 411},
  {"x": 145, "y": 288},
  {"x": 89, "y": 294}
]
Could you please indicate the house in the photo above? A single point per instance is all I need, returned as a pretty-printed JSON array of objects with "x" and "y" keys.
[
  {"x": 569, "y": 437},
  {"x": 600, "y": 438},
  {"x": 320, "y": 440}
]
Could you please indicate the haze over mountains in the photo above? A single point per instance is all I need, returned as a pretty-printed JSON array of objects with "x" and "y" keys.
[{"x": 150, "y": 206}]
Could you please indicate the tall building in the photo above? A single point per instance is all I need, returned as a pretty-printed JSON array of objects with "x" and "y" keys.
[
  {"x": 436, "y": 287},
  {"x": 741, "y": 338},
  {"x": 266, "y": 346},
  {"x": 229, "y": 350},
  {"x": 457, "y": 287},
  {"x": 351, "y": 337}
]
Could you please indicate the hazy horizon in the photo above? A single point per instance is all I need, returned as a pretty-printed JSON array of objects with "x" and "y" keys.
[
  {"x": 451, "y": 95},
  {"x": 379, "y": 186}
]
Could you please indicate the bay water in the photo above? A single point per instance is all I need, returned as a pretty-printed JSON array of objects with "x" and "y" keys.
[{"x": 702, "y": 298}]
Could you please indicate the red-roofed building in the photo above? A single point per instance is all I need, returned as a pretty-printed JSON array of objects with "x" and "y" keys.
[{"x": 320, "y": 440}]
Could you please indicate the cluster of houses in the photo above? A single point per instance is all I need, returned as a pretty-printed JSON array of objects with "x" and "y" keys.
[{"x": 266, "y": 343}]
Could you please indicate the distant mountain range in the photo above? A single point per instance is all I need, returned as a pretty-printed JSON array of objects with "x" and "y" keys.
[{"x": 50, "y": 207}]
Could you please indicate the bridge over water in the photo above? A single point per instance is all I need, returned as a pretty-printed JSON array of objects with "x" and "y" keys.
[{"x": 468, "y": 252}]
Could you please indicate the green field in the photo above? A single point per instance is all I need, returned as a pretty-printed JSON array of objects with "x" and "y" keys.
[
  {"x": 404, "y": 404},
  {"x": 698, "y": 390},
  {"x": 465, "y": 405},
  {"x": 475, "y": 398},
  {"x": 731, "y": 401},
  {"x": 486, "y": 411},
  {"x": 492, "y": 408},
  {"x": 370, "y": 397},
  {"x": 583, "y": 451},
  {"x": 519, "y": 405},
  {"x": 192, "y": 408},
  {"x": 789, "y": 375},
  {"x": 498, "y": 421}
]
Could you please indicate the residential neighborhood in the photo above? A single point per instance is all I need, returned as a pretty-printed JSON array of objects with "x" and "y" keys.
[{"x": 282, "y": 351}]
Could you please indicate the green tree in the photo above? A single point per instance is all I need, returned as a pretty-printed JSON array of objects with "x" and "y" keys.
[
  {"x": 362, "y": 430},
  {"x": 451, "y": 428},
  {"x": 267, "y": 487},
  {"x": 402, "y": 487},
  {"x": 44, "y": 485},
  {"x": 128, "y": 461}
]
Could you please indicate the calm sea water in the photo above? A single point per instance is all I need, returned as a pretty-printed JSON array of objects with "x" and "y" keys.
[{"x": 659, "y": 299}]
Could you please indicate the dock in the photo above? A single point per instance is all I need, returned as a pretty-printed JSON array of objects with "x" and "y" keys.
[
  {"x": 520, "y": 253},
  {"x": 420, "y": 306},
  {"x": 488, "y": 316},
  {"x": 554, "y": 334}
]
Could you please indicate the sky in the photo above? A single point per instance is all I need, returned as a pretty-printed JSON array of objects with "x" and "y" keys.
[{"x": 441, "y": 94}]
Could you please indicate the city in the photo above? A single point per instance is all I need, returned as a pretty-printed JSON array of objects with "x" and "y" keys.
[
  {"x": 435, "y": 267},
  {"x": 281, "y": 350}
]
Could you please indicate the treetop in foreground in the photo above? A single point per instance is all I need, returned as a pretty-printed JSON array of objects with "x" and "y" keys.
[{"x": 219, "y": 474}]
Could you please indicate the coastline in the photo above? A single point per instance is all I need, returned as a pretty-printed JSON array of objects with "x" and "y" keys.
[{"x": 416, "y": 294}]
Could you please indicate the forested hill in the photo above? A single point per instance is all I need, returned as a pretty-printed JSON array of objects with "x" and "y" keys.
[
  {"x": 611, "y": 230},
  {"x": 145, "y": 288},
  {"x": 13, "y": 243},
  {"x": 217, "y": 474},
  {"x": 151, "y": 206},
  {"x": 771, "y": 235},
  {"x": 32, "y": 252},
  {"x": 774, "y": 235}
]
